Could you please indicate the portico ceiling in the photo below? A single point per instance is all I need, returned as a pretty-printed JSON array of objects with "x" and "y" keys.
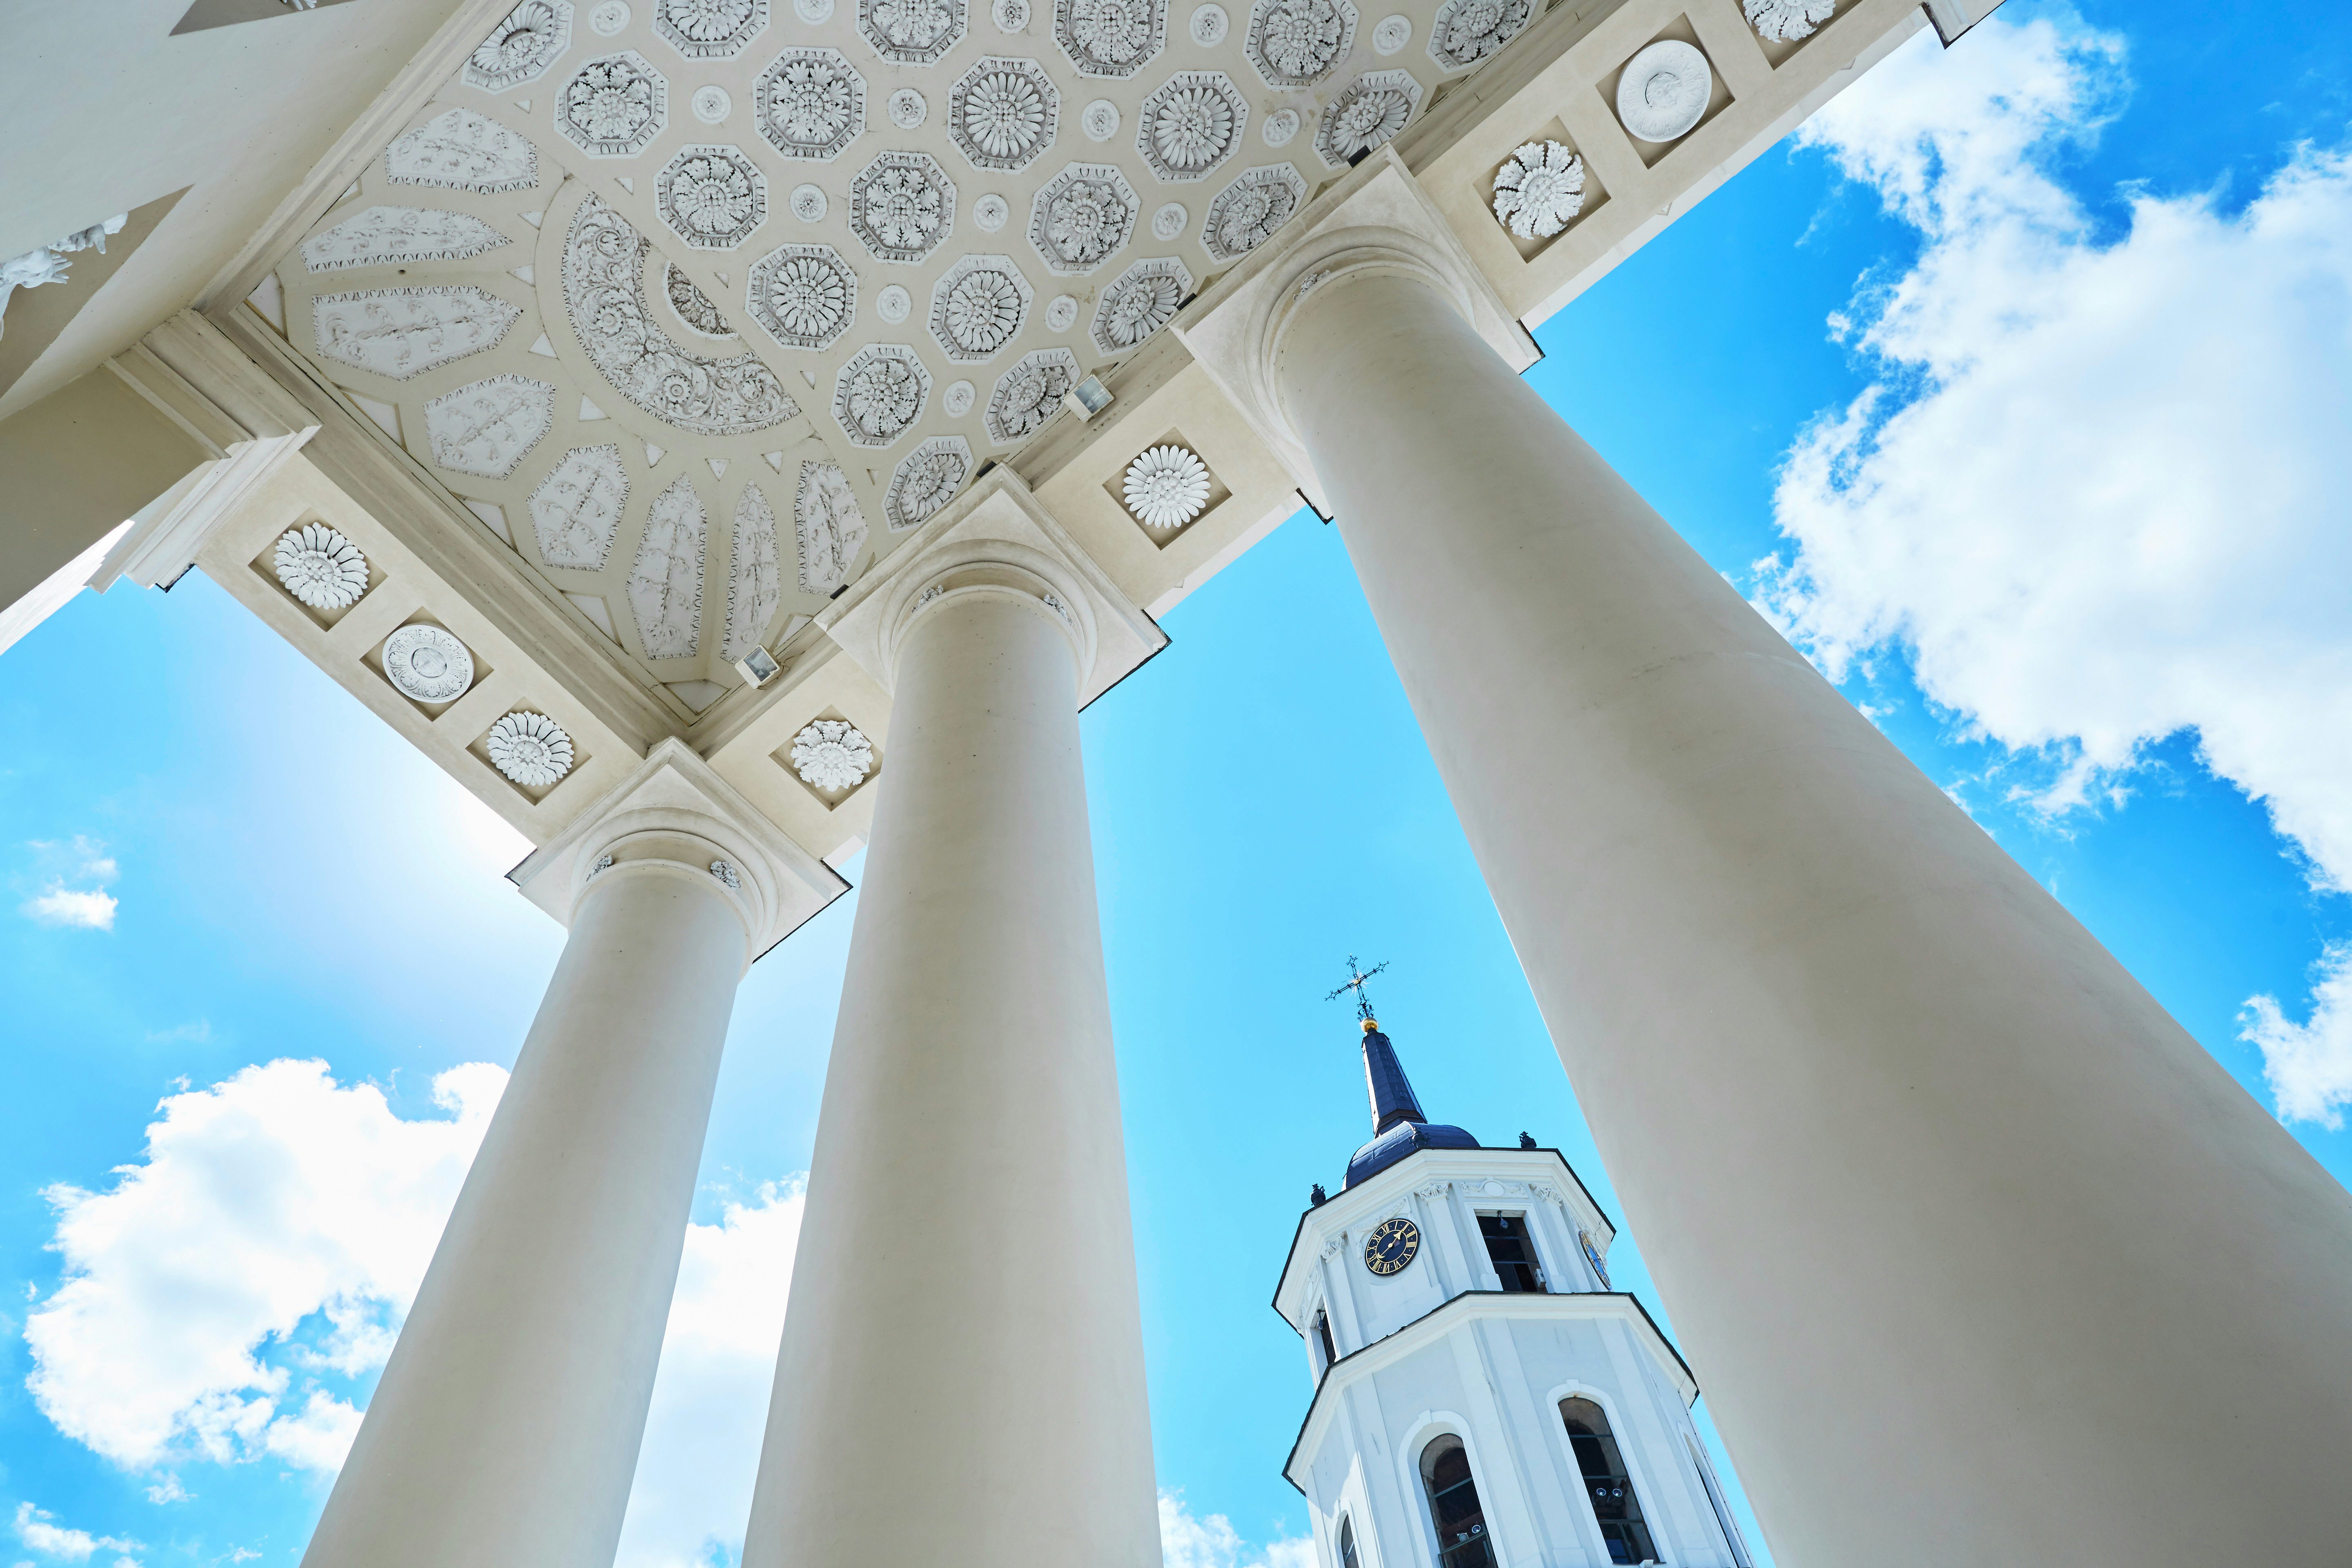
[{"x": 703, "y": 305}]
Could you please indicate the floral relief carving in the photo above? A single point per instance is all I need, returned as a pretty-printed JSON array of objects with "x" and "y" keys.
[
  {"x": 1538, "y": 189},
  {"x": 486, "y": 427},
  {"x": 911, "y": 32},
  {"x": 831, "y": 529},
  {"x": 385, "y": 236},
  {"x": 712, "y": 197},
  {"x": 902, "y": 205},
  {"x": 427, "y": 664},
  {"x": 522, "y": 46},
  {"x": 576, "y": 511},
  {"x": 1466, "y": 32},
  {"x": 1138, "y": 302},
  {"x": 1247, "y": 213},
  {"x": 1295, "y": 43},
  {"x": 1114, "y": 39},
  {"x": 399, "y": 333},
  {"x": 978, "y": 305},
  {"x": 532, "y": 749},
  {"x": 709, "y": 30},
  {"x": 320, "y": 567},
  {"x": 754, "y": 587},
  {"x": 605, "y": 295},
  {"x": 1190, "y": 124},
  {"x": 1081, "y": 217},
  {"x": 1786, "y": 21},
  {"x": 833, "y": 754},
  {"x": 1003, "y": 112},
  {"x": 666, "y": 581},
  {"x": 613, "y": 107},
  {"x": 926, "y": 479},
  {"x": 1029, "y": 394},
  {"x": 880, "y": 392},
  {"x": 692, "y": 305},
  {"x": 459, "y": 149},
  {"x": 1369, "y": 112},
  {"x": 1166, "y": 487},
  {"x": 810, "y": 103},
  {"x": 805, "y": 295}
]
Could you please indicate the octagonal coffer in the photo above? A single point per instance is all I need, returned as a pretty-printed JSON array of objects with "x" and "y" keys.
[
  {"x": 901, "y": 207},
  {"x": 810, "y": 103},
  {"x": 1003, "y": 112}
]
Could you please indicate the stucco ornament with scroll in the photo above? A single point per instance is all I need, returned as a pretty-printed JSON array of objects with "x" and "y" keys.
[
  {"x": 521, "y": 47},
  {"x": 833, "y": 754}
]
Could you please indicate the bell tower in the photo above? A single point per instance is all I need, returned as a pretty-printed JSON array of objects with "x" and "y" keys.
[{"x": 1482, "y": 1397}]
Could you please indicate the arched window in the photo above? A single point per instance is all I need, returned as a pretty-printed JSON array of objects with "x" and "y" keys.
[
  {"x": 1454, "y": 1506},
  {"x": 1323, "y": 1334},
  {"x": 1347, "y": 1544},
  {"x": 1610, "y": 1489}
]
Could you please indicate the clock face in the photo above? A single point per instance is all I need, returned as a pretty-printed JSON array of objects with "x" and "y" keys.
[{"x": 1392, "y": 1247}]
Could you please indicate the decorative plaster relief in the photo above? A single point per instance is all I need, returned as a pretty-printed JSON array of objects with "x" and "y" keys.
[
  {"x": 754, "y": 586},
  {"x": 576, "y": 511},
  {"x": 665, "y": 582},
  {"x": 603, "y": 864},
  {"x": 712, "y": 197},
  {"x": 1030, "y": 394},
  {"x": 386, "y": 236},
  {"x": 1538, "y": 189},
  {"x": 1111, "y": 38},
  {"x": 459, "y": 149},
  {"x": 831, "y": 529},
  {"x": 926, "y": 480},
  {"x": 522, "y": 47},
  {"x": 1280, "y": 127},
  {"x": 1466, "y": 32},
  {"x": 810, "y": 103},
  {"x": 427, "y": 664},
  {"x": 902, "y": 205},
  {"x": 1010, "y": 15},
  {"x": 1209, "y": 25},
  {"x": 1061, "y": 312},
  {"x": 609, "y": 17},
  {"x": 692, "y": 305},
  {"x": 990, "y": 212},
  {"x": 880, "y": 392},
  {"x": 727, "y": 874},
  {"x": 833, "y": 754},
  {"x": 978, "y": 305},
  {"x": 532, "y": 749},
  {"x": 399, "y": 333},
  {"x": 710, "y": 103},
  {"x": 1003, "y": 112},
  {"x": 813, "y": 11},
  {"x": 1081, "y": 217},
  {"x": 320, "y": 567},
  {"x": 1393, "y": 35},
  {"x": 604, "y": 294},
  {"x": 1367, "y": 112},
  {"x": 893, "y": 304},
  {"x": 486, "y": 427},
  {"x": 809, "y": 204},
  {"x": 709, "y": 30},
  {"x": 1138, "y": 302},
  {"x": 911, "y": 32},
  {"x": 1191, "y": 125},
  {"x": 1786, "y": 21},
  {"x": 1664, "y": 91},
  {"x": 1295, "y": 43},
  {"x": 1247, "y": 213},
  {"x": 958, "y": 398},
  {"x": 1170, "y": 221},
  {"x": 1167, "y": 487},
  {"x": 613, "y": 107},
  {"x": 805, "y": 295}
]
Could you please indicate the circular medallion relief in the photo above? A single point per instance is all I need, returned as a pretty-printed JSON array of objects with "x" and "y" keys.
[
  {"x": 907, "y": 108},
  {"x": 711, "y": 103},
  {"x": 1664, "y": 91},
  {"x": 1392, "y": 33},
  {"x": 1392, "y": 1247},
  {"x": 990, "y": 212},
  {"x": 1166, "y": 487},
  {"x": 1280, "y": 127},
  {"x": 1209, "y": 25},
  {"x": 427, "y": 664},
  {"x": 610, "y": 18},
  {"x": 1010, "y": 15},
  {"x": 321, "y": 567},
  {"x": 958, "y": 398},
  {"x": 1062, "y": 313},
  {"x": 808, "y": 204},
  {"x": 1099, "y": 120},
  {"x": 532, "y": 749},
  {"x": 893, "y": 303},
  {"x": 1169, "y": 220}
]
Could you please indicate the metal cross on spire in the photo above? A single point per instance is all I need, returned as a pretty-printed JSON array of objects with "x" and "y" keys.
[{"x": 1355, "y": 978}]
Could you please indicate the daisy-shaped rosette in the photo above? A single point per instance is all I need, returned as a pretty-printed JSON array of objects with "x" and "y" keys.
[
  {"x": 529, "y": 38},
  {"x": 912, "y": 32},
  {"x": 979, "y": 306},
  {"x": 1002, "y": 113},
  {"x": 1190, "y": 124},
  {"x": 879, "y": 393},
  {"x": 711, "y": 196},
  {"x": 530, "y": 749},
  {"x": 1538, "y": 189},
  {"x": 1082, "y": 216},
  {"x": 320, "y": 567},
  {"x": 1369, "y": 113},
  {"x": 804, "y": 295},
  {"x": 614, "y": 106},
  {"x": 709, "y": 30},
  {"x": 901, "y": 207},
  {"x": 1137, "y": 303},
  {"x": 926, "y": 479},
  {"x": 1166, "y": 487},
  {"x": 1029, "y": 394},
  {"x": 810, "y": 103},
  {"x": 1247, "y": 213},
  {"x": 1468, "y": 33}
]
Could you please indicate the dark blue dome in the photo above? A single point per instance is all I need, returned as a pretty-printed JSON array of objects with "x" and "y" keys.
[{"x": 1402, "y": 1140}]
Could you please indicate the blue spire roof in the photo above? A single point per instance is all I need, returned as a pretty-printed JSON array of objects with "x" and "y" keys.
[{"x": 1399, "y": 1127}]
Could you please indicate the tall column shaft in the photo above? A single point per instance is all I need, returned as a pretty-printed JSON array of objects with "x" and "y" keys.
[
  {"x": 504, "y": 1432},
  {"x": 961, "y": 1376},
  {"x": 1977, "y": 1252}
]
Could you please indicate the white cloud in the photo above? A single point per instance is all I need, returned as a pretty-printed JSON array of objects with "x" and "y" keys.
[
  {"x": 2309, "y": 1065},
  {"x": 39, "y": 1530},
  {"x": 79, "y": 860},
  {"x": 168, "y": 1490},
  {"x": 1210, "y": 1540},
  {"x": 271, "y": 1198},
  {"x": 693, "y": 1489},
  {"x": 2096, "y": 489}
]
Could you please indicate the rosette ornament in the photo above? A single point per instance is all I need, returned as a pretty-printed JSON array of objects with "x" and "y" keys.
[
  {"x": 532, "y": 749},
  {"x": 1166, "y": 487},
  {"x": 321, "y": 567},
  {"x": 1786, "y": 21},
  {"x": 832, "y": 754},
  {"x": 1537, "y": 190}
]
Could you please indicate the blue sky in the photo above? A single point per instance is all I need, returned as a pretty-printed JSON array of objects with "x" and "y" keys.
[{"x": 2079, "y": 547}]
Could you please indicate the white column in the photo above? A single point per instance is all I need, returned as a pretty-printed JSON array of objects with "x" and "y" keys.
[
  {"x": 504, "y": 1432},
  {"x": 1977, "y": 1252},
  {"x": 961, "y": 1374}
]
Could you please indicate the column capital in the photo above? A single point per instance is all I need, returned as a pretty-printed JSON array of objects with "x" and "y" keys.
[
  {"x": 1377, "y": 221},
  {"x": 676, "y": 816},
  {"x": 996, "y": 540}
]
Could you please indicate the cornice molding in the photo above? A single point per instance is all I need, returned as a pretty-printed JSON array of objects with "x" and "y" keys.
[{"x": 172, "y": 529}]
